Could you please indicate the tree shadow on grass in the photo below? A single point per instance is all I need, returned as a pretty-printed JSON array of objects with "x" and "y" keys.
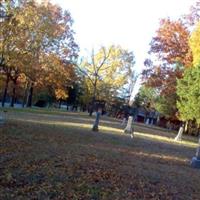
[
  {"x": 74, "y": 155},
  {"x": 115, "y": 138}
]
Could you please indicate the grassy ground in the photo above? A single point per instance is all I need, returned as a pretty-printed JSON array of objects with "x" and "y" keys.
[
  {"x": 56, "y": 156},
  {"x": 35, "y": 110}
]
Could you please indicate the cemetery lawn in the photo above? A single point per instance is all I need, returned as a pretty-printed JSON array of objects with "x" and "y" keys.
[{"x": 57, "y": 156}]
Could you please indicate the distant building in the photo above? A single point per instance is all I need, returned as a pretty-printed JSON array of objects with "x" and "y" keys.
[{"x": 148, "y": 116}]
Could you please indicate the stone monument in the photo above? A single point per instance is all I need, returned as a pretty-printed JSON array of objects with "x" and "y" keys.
[{"x": 196, "y": 159}]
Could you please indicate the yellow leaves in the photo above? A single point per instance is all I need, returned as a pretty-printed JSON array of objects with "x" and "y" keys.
[
  {"x": 195, "y": 45},
  {"x": 61, "y": 94},
  {"x": 106, "y": 71},
  {"x": 22, "y": 78}
]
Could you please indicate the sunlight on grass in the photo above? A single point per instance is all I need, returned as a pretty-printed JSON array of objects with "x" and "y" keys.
[
  {"x": 142, "y": 154},
  {"x": 150, "y": 136},
  {"x": 57, "y": 123},
  {"x": 114, "y": 131},
  {"x": 165, "y": 139},
  {"x": 36, "y": 110}
]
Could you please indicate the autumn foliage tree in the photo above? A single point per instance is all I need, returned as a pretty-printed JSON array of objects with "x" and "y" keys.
[
  {"x": 189, "y": 86},
  {"x": 195, "y": 44},
  {"x": 172, "y": 51},
  {"x": 171, "y": 44},
  {"x": 106, "y": 72},
  {"x": 37, "y": 43},
  {"x": 171, "y": 69}
]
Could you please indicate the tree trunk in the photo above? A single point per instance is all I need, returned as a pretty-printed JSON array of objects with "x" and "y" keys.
[
  {"x": 186, "y": 127},
  {"x": 193, "y": 128},
  {"x": 30, "y": 96},
  {"x": 13, "y": 93},
  {"x": 5, "y": 91},
  {"x": 93, "y": 98},
  {"x": 60, "y": 102},
  {"x": 25, "y": 95},
  {"x": 92, "y": 106},
  {"x": 96, "y": 123}
]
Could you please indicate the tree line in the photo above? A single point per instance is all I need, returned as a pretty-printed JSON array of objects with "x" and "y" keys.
[
  {"x": 39, "y": 58},
  {"x": 37, "y": 48},
  {"x": 172, "y": 72}
]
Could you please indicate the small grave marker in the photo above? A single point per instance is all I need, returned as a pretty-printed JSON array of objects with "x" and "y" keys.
[{"x": 3, "y": 117}]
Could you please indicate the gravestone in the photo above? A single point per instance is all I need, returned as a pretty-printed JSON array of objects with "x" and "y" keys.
[
  {"x": 179, "y": 135},
  {"x": 129, "y": 127},
  {"x": 196, "y": 159},
  {"x": 2, "y": 118}
]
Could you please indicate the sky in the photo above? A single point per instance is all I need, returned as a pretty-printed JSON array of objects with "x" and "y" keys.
[{"x": 128, "y": 23}]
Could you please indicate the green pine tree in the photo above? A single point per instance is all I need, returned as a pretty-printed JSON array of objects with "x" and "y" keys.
[{"x": 188, "y": 90}]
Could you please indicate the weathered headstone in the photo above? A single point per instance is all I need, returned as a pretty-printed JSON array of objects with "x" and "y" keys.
[
  {"x": 179, "y": 135},
  {"x": 129, "y": 127},
  {"x": 2, "y": 118},
  {"x": 96, "y": 123}
]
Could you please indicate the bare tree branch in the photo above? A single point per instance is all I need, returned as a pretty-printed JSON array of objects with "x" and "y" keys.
[
  {"x": 85, "y": 73},
  {"x": 105, "y": 58}
]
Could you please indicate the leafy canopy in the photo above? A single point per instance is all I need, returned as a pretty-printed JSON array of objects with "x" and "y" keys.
[{"x": 188, "y": 90}]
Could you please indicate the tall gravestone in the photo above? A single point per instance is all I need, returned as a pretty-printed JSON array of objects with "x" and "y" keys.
[
  {"x": 129, "y": 127},
  {"x": 180, "y": 134},
  {"x": 196, "y": 159}
]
